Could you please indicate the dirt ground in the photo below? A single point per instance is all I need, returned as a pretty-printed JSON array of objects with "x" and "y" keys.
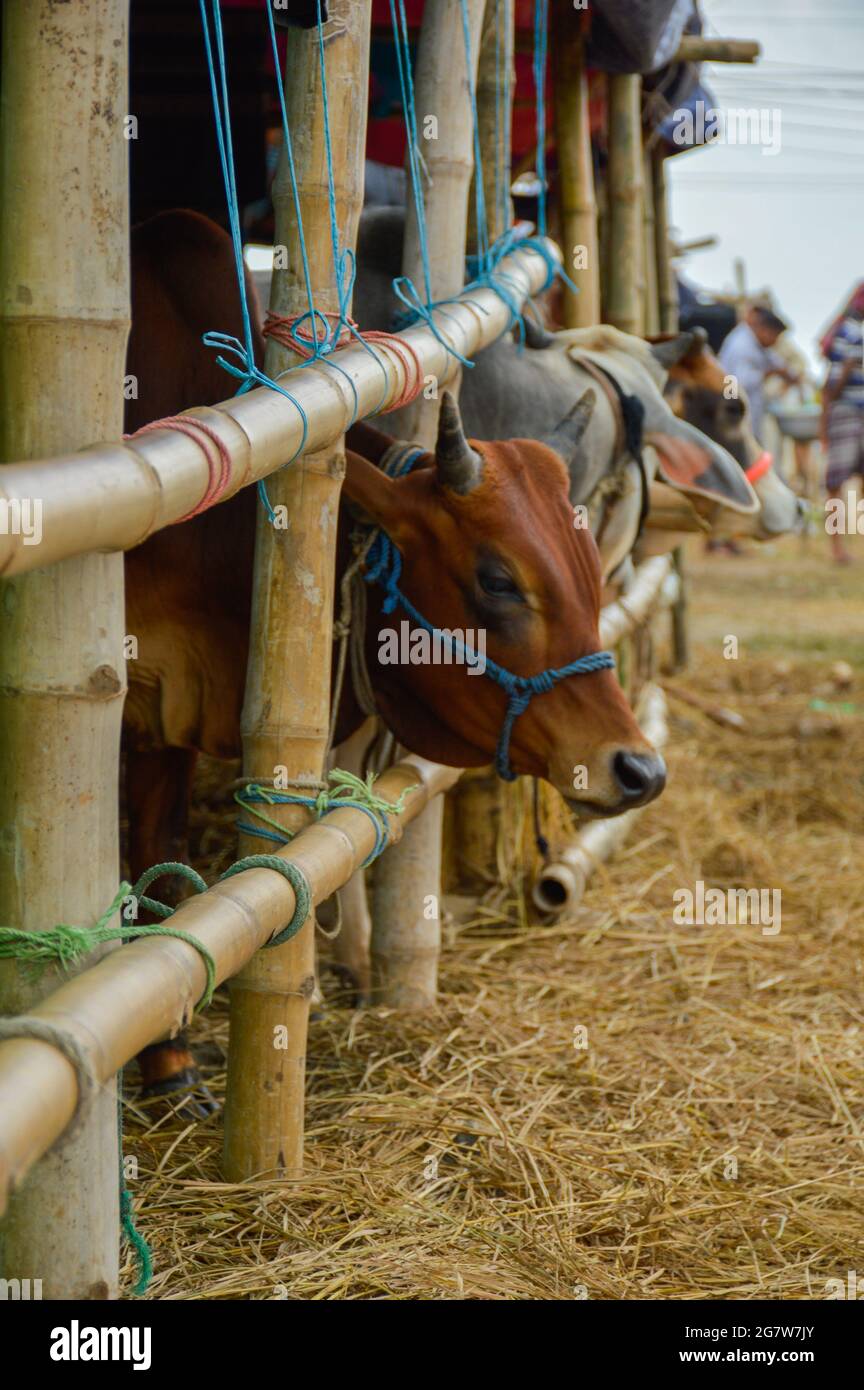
[{"x": 706, "y": 1141}]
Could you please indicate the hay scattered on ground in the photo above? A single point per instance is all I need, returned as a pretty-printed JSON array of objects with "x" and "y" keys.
[{"x": 709, "y": 1140}]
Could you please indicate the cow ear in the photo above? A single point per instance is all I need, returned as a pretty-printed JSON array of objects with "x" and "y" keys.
[
  {"x": 691, "y": 462},
  {"x": 373, "y": 497}
]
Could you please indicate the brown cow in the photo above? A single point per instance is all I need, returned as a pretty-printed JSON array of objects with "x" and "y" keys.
[
  {"x": 698, "y": 390},
  {"x": 488, "y": 540}
]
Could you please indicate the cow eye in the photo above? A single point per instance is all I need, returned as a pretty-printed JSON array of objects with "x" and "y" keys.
[{"x": 498, "y": 584}]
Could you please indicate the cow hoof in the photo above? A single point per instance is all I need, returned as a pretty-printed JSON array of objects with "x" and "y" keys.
[
  {"x": 167, "y": 1070},
  {"x": 199, "y": 1102},
  {"x": 350, "y": 981}
]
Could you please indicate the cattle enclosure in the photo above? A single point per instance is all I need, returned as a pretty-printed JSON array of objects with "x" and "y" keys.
[{"x": 67, "y": 1032}]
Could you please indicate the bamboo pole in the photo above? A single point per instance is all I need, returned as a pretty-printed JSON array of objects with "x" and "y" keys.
[
  {"x": 473, "y": 822},
  {"x": 405, "y": 939},
  {"x": 651, "y": 300},
  {"x": 406, "y": 933},
  {"x": 620, "y": 618},
  {"x": 446, "y": 140},
  {"x": 579, "y": 233},
  {"x": 625, "y": 269},
  {"x": 286, "y": 712},
  {"x": 697, "y": 48},
  {"x": 474, "y": 806},
  {"x": 150, "y": 988},
  {"x": 494, "y": 119},
  {"x": 561, "y": 883},
  {"x": 680, "y": 634},
  {"x": 64, "y": 319},
  {"x": 667, "y": 288},
  {"x": 112, "y": 496}
]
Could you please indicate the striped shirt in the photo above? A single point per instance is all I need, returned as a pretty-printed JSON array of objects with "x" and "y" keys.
[{"x": 848, "y": 345}]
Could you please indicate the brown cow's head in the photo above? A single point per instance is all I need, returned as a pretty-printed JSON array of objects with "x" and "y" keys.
[
  {"x": 698, "y": 391},
  {"x": 488, "y": 541}
]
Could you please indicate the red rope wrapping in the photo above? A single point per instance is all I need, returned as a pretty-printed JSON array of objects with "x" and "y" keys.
[
  {"x": 278, "y": 327},
  {"x": 218, "y": 458}
]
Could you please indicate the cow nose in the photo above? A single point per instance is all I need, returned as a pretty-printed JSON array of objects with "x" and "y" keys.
[{"x": 640, "y": 776}]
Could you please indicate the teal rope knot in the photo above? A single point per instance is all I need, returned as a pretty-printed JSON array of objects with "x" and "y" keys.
[
  {"x": 347, "y": 790},
  {"x": 294, "y": 875}
]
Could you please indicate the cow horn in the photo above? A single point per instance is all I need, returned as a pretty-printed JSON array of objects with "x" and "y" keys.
[
  {"x": 567, "y": 435},
  {"x": 671, "y": 351},
  {"x": 536, "y": 336},
  {"x": 460, "y": 468}
]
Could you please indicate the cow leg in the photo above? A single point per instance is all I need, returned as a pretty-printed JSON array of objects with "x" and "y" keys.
[
  {"x": 351, "y": 946},
  {"x": 158, "y": 785}
]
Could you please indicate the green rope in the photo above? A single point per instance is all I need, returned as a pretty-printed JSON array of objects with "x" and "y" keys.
[
  {"x": 64, "y": 945},
  {"x": 295, "y": 876},
  {"x": 127, "y": 1215},
  {"x": 347, "y": 790}
]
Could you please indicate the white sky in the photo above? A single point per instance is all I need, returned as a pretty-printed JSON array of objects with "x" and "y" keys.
[{"x": 797, "y": 218}]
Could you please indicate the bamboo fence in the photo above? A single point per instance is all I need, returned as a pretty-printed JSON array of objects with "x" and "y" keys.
[
  {"x": 61, "y": 665},
  {"x": 113, "y": 496},
  {"x": 149, "y": 989}
]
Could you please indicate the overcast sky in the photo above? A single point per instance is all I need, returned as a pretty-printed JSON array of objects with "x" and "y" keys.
[{"x": 796, "y": 218}]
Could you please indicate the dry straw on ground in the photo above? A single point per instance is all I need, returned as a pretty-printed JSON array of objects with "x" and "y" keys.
[{"x": 707, "y": 1143}]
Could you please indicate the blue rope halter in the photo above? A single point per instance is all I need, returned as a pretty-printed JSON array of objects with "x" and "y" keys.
[{"x": 384, "y": 567}]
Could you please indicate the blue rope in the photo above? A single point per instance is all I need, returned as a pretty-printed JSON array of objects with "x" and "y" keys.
[
  {"x": 243, "y": 368},
  {"x": 384, "y": 567},
  {"x": 253, "y": 795},
  {"x": 247, "y": 373},
  {"x": 484, "y": 267},
  {"x": 344, "y": 265}
]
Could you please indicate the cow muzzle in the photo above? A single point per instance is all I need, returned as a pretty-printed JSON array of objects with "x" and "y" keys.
[{"x": 630, "y": 779}]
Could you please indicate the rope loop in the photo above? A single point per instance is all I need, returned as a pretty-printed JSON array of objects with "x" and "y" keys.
[
  {"x": 295, "y": 876},
  {"x": 346, "y": 790}
]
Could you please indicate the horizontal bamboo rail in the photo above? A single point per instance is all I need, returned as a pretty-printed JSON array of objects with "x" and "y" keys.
[
  {"x": 562, "y": 881},
  {"x": 640, "y": 598},
  {"x": 149, "y": 989},
  {"x": 112, "y": 496},
  {"x": 696, "y": 48}
]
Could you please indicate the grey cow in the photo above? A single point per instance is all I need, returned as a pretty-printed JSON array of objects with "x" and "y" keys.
[{"x": 519, "y": 392}]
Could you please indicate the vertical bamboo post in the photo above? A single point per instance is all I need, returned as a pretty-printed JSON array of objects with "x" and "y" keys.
[
  {"x": 651, "y": 300},
  {"x": 405, "y": 939},
  {"x": 579, "y": 237},
  {"x": 474, "y": 806},
  {"x": 64, "y": 319},
  {"x": 446, "y": 142},
  {"x": 667, "y": 289},
  {"x": 286, "y": 709},
  {"x": 494, "y": 119},
  {"x": 624, "y": 306}
]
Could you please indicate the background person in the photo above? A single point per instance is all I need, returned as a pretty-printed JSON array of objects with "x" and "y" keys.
[
  {"x": 843, "y": 405},
  {"x": 746, "y": 354}
]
